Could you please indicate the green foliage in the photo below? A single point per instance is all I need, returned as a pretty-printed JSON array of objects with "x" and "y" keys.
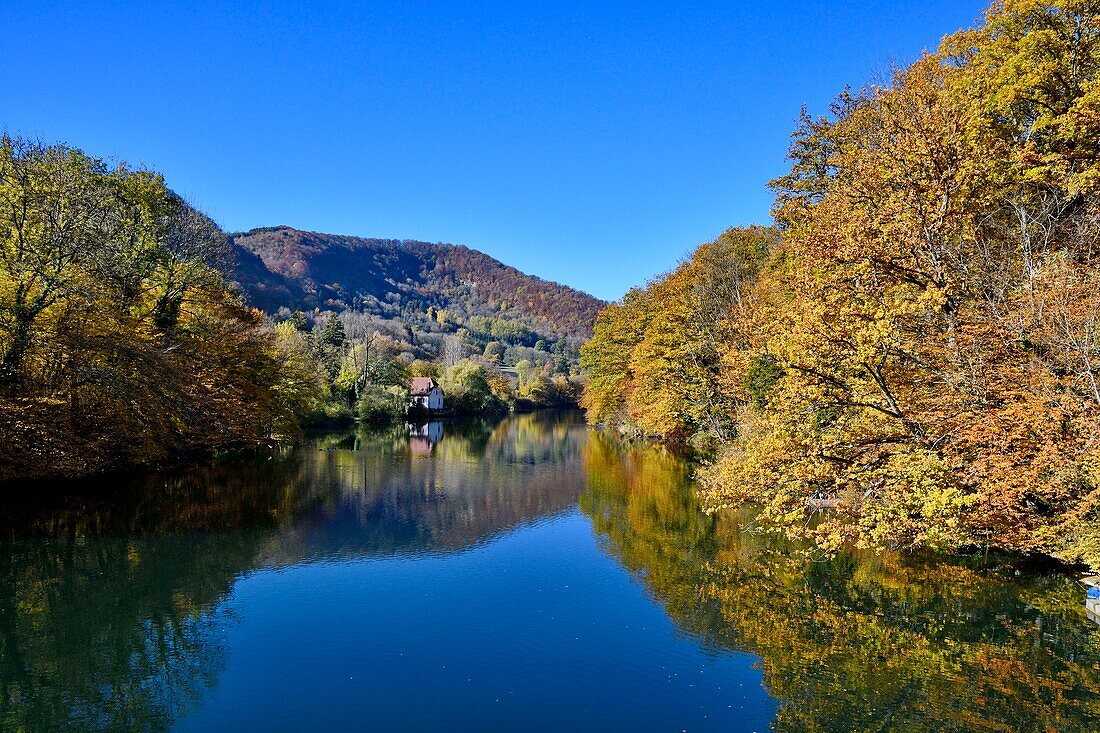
[
  {"x": 494, "y": 351},
  {"x": 422, "y": 368},
  {"x": 377, "y": 403},
  {"x": 467, "y": 389},
  {"x": 302, "y": 385},
  {"x": 364, "y": 376},
  {"x": 543, "y": 390},
  {"x": 332, "y": 332},
  {"x": 760, "y": 379},
  {"x": 299, "y": 321},
  {"x": 525, "y": 371}
]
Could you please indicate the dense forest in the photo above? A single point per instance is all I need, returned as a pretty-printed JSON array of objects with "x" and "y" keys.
[
  {"x": 368, "y": 314},
  {"x": 911, "y": 357},
  {"x": 282, "y": 267},
  {"x": 432, "y": 302},
  {"x": 130, "y": 330}
]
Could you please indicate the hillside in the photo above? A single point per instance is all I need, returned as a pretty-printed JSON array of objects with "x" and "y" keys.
[{"x": 282, "y": 267}]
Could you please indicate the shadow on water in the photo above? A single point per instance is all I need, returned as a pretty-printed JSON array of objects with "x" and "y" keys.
[{"x": 115, "y": 604}]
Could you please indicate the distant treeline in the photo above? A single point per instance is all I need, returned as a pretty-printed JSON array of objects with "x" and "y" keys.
[
  {"x": 917, "y": 343},
  {"x": 361, "y": 372}
]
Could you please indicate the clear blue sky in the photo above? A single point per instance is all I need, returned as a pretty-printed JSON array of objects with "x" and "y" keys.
[{"x": 590, "y": 144}]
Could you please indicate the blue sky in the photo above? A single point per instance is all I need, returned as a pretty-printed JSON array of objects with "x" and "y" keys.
[{"x": 593, "y": 144}]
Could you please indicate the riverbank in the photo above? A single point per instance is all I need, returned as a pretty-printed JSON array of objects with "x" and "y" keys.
[{"x": 51, "y": 453}]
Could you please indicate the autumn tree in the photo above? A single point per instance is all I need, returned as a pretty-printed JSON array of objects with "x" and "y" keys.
[
  {"x": 120, "y": 341},
  {"x": 654, "y": 361},
  {"x": 929, "y": 318}
]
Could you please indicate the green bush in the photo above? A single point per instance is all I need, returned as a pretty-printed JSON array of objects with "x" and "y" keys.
[{"x": 381, "y": 404}]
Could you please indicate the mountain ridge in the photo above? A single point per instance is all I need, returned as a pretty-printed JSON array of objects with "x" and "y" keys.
[{"x": 285, "y": 267}]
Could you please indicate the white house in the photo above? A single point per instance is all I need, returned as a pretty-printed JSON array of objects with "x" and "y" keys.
[{"x": 425, "y": 394}]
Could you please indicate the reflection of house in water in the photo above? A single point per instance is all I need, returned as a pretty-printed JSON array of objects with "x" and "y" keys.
[
  {"x": 424, "y": 436},
  {"x": 1092, "y": 598},
  {"x": 482, "y": 480}
]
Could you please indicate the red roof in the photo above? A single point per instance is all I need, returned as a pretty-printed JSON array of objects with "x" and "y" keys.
[{"x": 421, "y": 386}]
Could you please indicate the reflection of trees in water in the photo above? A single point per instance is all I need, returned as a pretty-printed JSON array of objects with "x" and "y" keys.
[
  {"x": 109, "y": 609},
  {"x": 112, "y": 610},
  {"x": 373, "y": 494},
  {"x": 857, "y": 642}
]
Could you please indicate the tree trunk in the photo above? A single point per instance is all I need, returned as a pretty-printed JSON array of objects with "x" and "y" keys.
[{"x": 12, "y": 362}]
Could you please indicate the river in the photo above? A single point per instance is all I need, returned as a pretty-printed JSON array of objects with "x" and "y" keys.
[{"x": 523, "y": 574}]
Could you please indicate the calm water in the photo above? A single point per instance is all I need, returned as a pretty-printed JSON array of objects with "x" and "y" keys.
[{"x": 524, "y": 575}]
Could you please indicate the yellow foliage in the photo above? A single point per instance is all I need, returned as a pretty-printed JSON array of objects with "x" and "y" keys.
[{"x": 920, "y": 354}]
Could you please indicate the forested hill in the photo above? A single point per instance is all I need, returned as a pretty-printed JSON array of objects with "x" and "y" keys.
[{"x": 283, "y": 267}]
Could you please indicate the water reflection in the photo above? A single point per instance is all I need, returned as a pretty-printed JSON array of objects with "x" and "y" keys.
[
  {"x": 112, "y": 601},
  {"x": 371, "y": 494},
  {"x": 423, "y": 437},
  {"x": 857, "y": 642},
  {"x": 110, "y": 613},
  {"x": 116, "y": 603}
]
